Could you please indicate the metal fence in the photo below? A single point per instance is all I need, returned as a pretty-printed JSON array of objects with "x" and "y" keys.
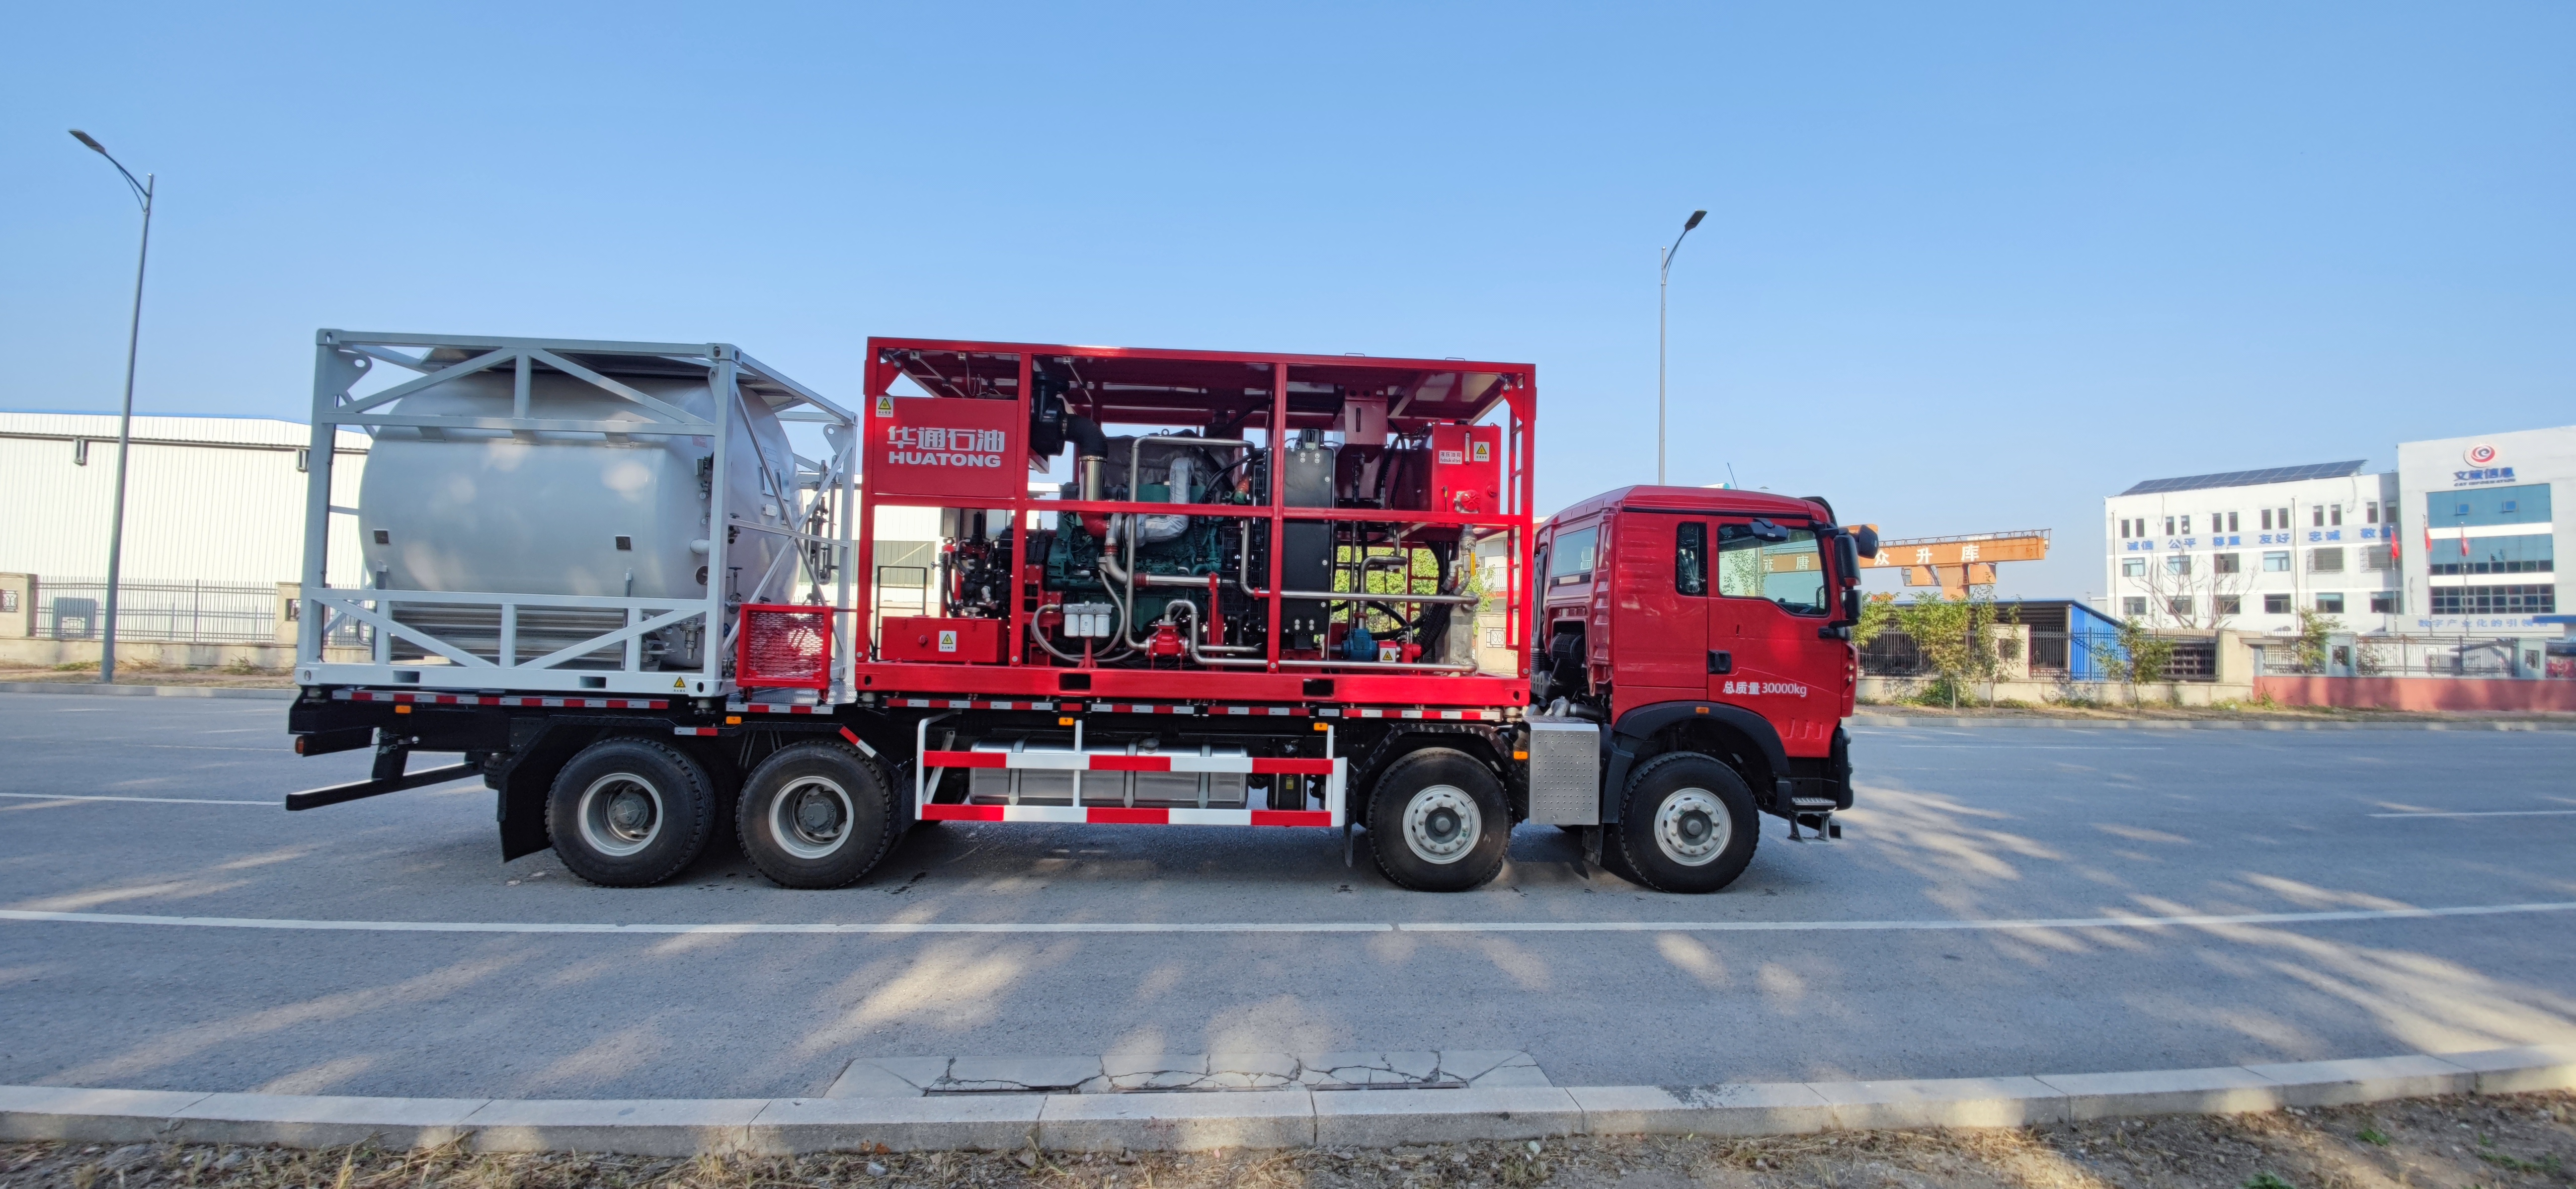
[
  {"x": 167, "y": 612},
  {"x": 2426, "y": 656}
]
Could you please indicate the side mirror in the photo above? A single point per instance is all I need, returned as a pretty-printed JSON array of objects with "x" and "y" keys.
[
  {"x": 1867, "y": 539},
  {"x": 1847, "y": 558}
]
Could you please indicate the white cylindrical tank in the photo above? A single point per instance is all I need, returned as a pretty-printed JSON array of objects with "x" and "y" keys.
[{"x": 570, "y": 513}]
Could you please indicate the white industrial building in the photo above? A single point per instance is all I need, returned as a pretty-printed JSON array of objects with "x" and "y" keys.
[
  {"x": 2460, "y": 538},
  {"x": 2248, "y": 550}
]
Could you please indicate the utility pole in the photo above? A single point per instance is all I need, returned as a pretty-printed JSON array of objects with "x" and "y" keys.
[
  {"x": 1663, "y": 284},
  {"x": 125, "y": 420}
]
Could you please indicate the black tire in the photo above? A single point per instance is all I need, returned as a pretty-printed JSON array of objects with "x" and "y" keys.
[
  {"x": 1438, "y": 821},
  {"x": 1686, "y": 824},
  {"x": 630, "y": 813},
  {"x": 816, "y": 816}
]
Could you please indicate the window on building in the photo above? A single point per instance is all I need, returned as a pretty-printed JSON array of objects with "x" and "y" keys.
[
  {"x": 2179, "y": 563},
  {"x": 1690, "y": 559},
  {"x": 2222, "y": 563},
  {"x": 2228, "y": 604},
  {"x": 2267, "y": 520},
  {"x": 2325, "y": 561},
  {"x": 2281, "y": 518},
  {"x": 2370, "y": 512},
  {"x": 2316, "y": 515},
  {"x": 2330, "y": 603},
  {"x": 2133, "y": 606},
  {"x": 2231, "y": 522},
  {"x": 2377, "y": 557},
  {"x": 2186, "y": 526},
  {"x": 2334, "y": 514},
  {"x": 2509, "y": 506},
  {"x": 2179, "y": 606},
  {"x": 2169, "y": 523},
  {"x": 2384, "y": 602},
  {"x": 2277, "y": 562},
  {"x": 2133, "y": 567},
  {"x": 2276, "y": 604},
  {"x": 2495, "y": 600}
]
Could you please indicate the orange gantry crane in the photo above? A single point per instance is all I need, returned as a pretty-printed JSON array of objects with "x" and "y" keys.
[{"x": 1956, "y": 563}]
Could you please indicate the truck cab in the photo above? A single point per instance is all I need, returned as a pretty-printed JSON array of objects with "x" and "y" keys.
[{"x": 1706, "y": 635}]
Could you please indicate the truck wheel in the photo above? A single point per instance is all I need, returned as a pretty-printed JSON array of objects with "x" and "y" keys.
[
  {"x": 1438, "y": 821},
  {"x": 815, "y": 815},
  {"x": 630, "y": 813},
  {"x": 1687, "y": 825}
]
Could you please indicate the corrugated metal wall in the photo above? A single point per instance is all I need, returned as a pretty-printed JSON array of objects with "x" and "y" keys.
[{"x": 194, "y": 510}]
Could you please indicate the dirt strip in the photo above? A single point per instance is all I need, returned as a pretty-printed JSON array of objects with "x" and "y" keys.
[{"x": 2523, "y": 1141}]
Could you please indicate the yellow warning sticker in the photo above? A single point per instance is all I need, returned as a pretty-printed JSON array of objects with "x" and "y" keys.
[
  {"x": 679, "y": 683},
  {"x": 885, "y": 405}
]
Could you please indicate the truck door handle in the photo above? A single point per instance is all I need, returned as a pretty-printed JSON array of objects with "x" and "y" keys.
[{"x": 1720, "y": 661}]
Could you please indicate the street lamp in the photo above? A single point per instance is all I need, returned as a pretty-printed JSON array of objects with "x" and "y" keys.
[
  {"x": 125, "y": 422},
  {"x": 1663, "y": 283}
]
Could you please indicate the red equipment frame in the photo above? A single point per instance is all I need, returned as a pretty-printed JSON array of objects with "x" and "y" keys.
[
  {"x": 1145, "y": 386},
  {"x": 759, "y": 621}
]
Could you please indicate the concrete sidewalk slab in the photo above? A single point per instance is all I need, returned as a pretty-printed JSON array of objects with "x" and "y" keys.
[
  {"x": 2224, "y": 1090},
  {"x": 1769, "y": 1108},
  {"x": 1177, "y": 1122},
  {"x": 1942, "y": 1102},
  {"x": 99, "y": 1116},
  {"x": 974, "y": 1122},
  {"x": 300, "y": 1120},
  {"x": 631, "y": 1127},
  {"x": 1197, "y": 1120},
  {"x": 1384, "y": 1118},
  {"x": 2520, "y": 1069},
  {"x": 2368, "y": 1079}
]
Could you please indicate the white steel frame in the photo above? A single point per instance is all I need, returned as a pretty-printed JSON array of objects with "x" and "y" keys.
[{"x": 342, "y": 358}]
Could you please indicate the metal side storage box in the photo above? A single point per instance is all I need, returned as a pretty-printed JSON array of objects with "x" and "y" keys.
[{"x": 1564, "y": 771}]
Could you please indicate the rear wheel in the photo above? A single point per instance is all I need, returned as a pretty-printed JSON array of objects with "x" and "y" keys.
[
  {"x": 815, "y": 815},
  {"x": 1438, "y": 821},
  {"x": 1687, "y": 825},
  {"x": 630, "y": 813}
]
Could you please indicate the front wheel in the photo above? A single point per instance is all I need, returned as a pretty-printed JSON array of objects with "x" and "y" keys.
[
  {"x": 815, "y": 815},
  {"x": 1438, "y": 821},
  {"x": 1687, "y": 825}
]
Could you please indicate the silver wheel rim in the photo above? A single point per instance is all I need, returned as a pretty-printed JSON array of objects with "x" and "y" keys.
[
  {"x": 621, "y": 814},
  {"x": 811, "y": 817},
  {"x": 1442, "y": 823},
  {"x": 1692, "y": 827}
]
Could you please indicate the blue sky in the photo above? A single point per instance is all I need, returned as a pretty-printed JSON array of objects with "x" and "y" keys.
[{"x": 1967, "y": 267}]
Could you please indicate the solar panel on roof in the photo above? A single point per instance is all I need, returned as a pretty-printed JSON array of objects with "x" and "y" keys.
[{"x": 2314, "y": 470}]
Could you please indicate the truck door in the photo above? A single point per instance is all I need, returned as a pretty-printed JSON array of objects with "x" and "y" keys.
[
  {"x": 1659, "y": 607},
  {"x": 1764, "y": 653}
]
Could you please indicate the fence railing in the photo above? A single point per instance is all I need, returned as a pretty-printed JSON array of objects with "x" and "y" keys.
[
  {"x": 2420, "y": 656},
  {"x": 165, "y": 612}
]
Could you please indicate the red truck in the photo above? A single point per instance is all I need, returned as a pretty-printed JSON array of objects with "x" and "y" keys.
[{"x": 1163, "y": 588}]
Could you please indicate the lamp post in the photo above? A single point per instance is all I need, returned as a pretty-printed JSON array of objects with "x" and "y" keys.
[
  {"x": 1663, "y": 283},
  {"x": 125, "y": 420}
]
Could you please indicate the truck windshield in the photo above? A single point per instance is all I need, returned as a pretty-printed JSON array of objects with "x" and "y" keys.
[
  {"x": 1789, "y": 573},
  {"x": 1570, "y": 557}
]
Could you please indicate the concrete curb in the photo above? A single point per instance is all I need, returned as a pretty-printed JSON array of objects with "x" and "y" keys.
[
  {"x": 1252, "y": 1119},
  {"x": 2206, "y": 724},
  {"x": 149, "y": 691}
]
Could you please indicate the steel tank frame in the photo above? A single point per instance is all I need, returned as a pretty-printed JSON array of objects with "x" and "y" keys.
[{"x": 343, "y": 358}]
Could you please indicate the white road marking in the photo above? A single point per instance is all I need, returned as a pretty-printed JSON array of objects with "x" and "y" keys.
[
  {"x": 2487, "y": 813},
  {"x": 916, "y": 927},
  {"x": 157, "y": 800}
]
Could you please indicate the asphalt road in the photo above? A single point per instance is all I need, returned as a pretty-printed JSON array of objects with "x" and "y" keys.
[{"x": 1817, "y": 964}]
